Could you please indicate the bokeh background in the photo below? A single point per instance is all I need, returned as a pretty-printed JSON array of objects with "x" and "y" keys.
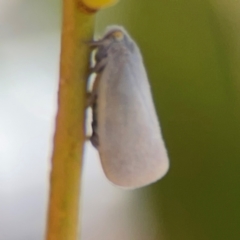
[{"x": 191, "y": 50}]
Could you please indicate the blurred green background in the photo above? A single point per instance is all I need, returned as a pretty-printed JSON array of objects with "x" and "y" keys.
[{"x": 191, "y": 50}]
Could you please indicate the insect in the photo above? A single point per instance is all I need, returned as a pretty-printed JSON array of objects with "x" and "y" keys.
[{"x": 126, "y": 130}]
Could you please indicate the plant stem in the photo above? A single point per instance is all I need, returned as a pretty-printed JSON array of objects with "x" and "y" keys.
[{"x": 63, "y": 209}]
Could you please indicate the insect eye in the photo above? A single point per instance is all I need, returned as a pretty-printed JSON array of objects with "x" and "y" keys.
[{"x": 118, "y": 35}]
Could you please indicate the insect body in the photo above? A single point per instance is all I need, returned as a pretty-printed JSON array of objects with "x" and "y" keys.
[{"x": 126, "y": 130}]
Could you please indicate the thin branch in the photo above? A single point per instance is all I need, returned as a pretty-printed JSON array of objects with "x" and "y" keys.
[{"x": 69, "y": 133}]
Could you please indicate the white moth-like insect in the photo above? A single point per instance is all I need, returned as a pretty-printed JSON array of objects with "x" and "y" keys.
[{"x": 126, "y": 130}]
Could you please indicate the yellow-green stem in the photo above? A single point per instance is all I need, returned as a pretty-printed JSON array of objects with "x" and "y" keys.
[{"x": 63, "y": 210}]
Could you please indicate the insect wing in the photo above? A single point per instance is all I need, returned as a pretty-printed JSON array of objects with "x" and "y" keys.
[{"x": 131, "y": 147}]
